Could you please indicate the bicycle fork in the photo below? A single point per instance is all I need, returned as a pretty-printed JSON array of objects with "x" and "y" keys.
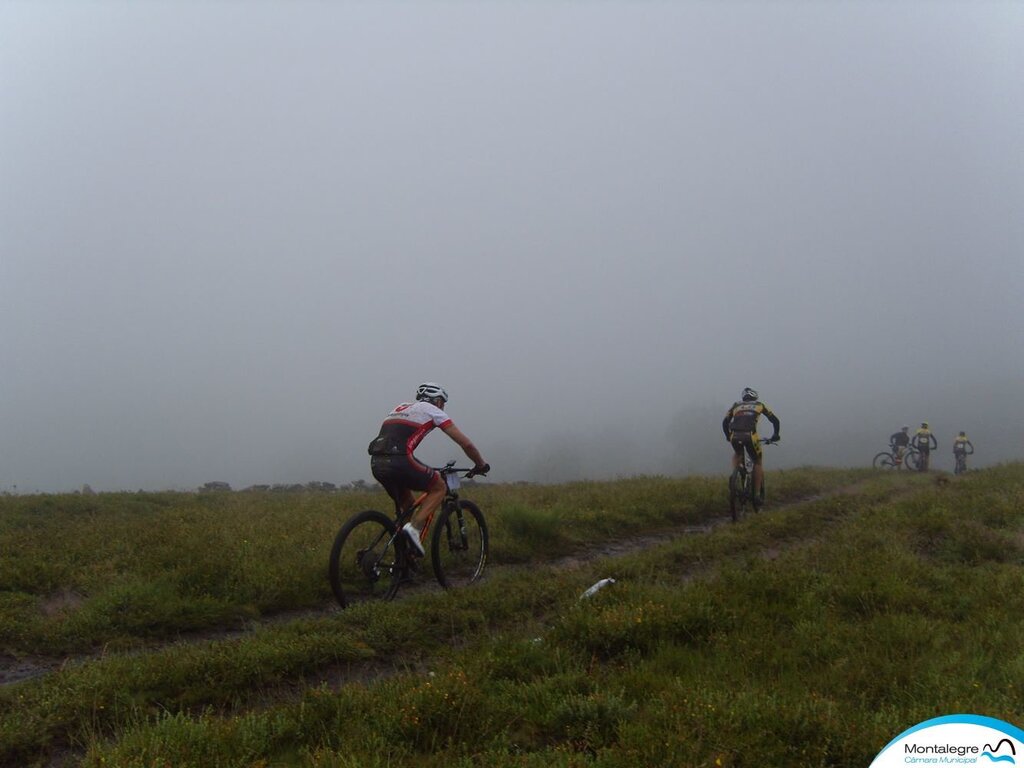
[{"x": 458, "y": 533}]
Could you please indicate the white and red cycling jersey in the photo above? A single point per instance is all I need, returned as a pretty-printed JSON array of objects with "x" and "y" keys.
[{"x": 407, "y": 425}]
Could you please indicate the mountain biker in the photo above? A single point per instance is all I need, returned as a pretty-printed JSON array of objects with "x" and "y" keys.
[
  {"x": 924, "y": 441},
  {"x": 899, "y": 441},
  {"x": 395, "y": 467},
  {"x": 740, "y": 428},
  {"x": 960, "y": 446}
]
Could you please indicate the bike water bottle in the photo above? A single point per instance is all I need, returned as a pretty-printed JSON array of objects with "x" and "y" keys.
[{"x": 596, "y": 587}]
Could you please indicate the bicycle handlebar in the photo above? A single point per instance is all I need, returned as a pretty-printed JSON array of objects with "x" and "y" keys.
[{"x": 451, "y": 469}]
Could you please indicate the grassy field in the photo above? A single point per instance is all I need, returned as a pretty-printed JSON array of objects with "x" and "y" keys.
[{"x": 197, "y": 630}]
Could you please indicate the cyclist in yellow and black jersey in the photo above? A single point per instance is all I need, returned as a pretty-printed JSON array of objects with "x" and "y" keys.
[
  {"x": 924, "y": 441},
  {"x": 740, "y": 428},
  {"x": 961, "y": 444}
]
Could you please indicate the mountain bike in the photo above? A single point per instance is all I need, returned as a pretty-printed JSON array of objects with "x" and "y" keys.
[
  {"x": 961, "y": 462},
  {"x": 912, "y": 459},
  {"x": 371, "y": 556},
  {"x": 741, "y": 481},
  {"x": 893, "y": 459}
]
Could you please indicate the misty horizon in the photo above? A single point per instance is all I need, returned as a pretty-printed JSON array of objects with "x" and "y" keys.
[{"x": 233, "y": 236}]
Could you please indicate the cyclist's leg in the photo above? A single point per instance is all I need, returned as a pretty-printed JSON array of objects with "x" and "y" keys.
[
  {"x": 737, "y": 453},
  {"x": 385, "y": 471},
  {"x": 435, "y": 493},
  {"x": 754, "y": 449},
  {"x": 401, "y": 476},
  {"x": 410, "y": 476},
  {"x": 403, "y": 498}
]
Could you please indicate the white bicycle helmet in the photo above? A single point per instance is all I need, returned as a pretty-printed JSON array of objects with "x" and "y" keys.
[
  {"x": 749, "y": 394},
  {"x": 428, "y": 390}
]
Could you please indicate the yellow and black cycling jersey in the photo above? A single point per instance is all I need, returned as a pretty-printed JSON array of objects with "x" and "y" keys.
[
  {"x": 924, "y": 440},
  {"x": 961, "y": 444},
  {"x": 741, "y": 420}
]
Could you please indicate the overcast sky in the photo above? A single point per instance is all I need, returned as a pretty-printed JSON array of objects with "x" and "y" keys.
[{"x": 234, "y": 234}]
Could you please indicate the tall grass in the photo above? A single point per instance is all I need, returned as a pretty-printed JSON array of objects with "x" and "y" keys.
[
  {"x": 118, "y": 570},
  {"x": 810, "y": 634}
]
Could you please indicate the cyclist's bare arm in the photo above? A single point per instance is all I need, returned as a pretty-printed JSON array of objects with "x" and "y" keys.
[{"x": 465, "y": 443}]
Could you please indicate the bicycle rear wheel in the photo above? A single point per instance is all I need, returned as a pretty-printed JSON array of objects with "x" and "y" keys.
[
  {"x": 910, "y": 460},
  {"x": 737, "y": 493},
  {"x": 365, "y": 563},
  {"x": 883, "y": 460},
  {"x": 459, "y": 545}
]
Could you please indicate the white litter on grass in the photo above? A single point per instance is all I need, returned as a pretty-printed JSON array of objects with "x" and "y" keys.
[{"x": 596, "y": 587}]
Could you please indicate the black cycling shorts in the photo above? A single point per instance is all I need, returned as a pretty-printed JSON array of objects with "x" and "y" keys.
[
  {"x": 748, "y": 440},
  {"x": 397, "y": 473}
]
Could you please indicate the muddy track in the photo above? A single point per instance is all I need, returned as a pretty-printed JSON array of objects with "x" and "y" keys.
[{"x": 14, "y": 669}]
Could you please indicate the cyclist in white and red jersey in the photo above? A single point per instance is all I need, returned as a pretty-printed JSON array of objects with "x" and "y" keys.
[{"x": 395, "y": 467}]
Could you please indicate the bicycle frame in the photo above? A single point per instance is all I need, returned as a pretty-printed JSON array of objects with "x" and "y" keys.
[
  {"x": 960, "y": 461},
  {"x": 745, "y": 491},
  {"x": 450, "y": 495},
  {"x": 371, "y": 547},
  {"x": 748, "y": 463}
]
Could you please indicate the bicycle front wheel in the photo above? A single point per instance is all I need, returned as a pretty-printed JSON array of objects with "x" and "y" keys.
[
  {"x": 460, "y": 544},
  {"x": 883, "y": 460},
  {"x": 365, "y": 564}
]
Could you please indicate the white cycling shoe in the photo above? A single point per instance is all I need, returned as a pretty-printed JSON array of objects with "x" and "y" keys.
[{"x": 414, "y": 536}]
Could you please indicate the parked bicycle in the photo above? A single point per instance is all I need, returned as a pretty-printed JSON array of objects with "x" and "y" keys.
[
  {"x": 895, "y": 460},
  {"x": 371, "y": 557},
  {"x": 741, "y": 481}
]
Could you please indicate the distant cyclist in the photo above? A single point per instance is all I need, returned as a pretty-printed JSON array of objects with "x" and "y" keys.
[
  {"x": 395, "y": 467},
  {"x": 960, "y": 452},
  {"x": 740, "y": 428},
  {"x": 924, "y": 441},
  {"x": 899, "y": 441}
]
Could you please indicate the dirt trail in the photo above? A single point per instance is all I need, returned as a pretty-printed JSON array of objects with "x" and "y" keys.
[{"x": 14, "y": 669}]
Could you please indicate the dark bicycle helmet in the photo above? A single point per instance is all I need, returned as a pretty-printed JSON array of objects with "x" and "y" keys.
[
  {"x": 749, "y": 394},
  {"x": 428, "y": 390}
]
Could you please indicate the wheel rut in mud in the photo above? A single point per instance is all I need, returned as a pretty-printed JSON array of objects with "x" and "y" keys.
[{"x": 15, "y": 669}]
